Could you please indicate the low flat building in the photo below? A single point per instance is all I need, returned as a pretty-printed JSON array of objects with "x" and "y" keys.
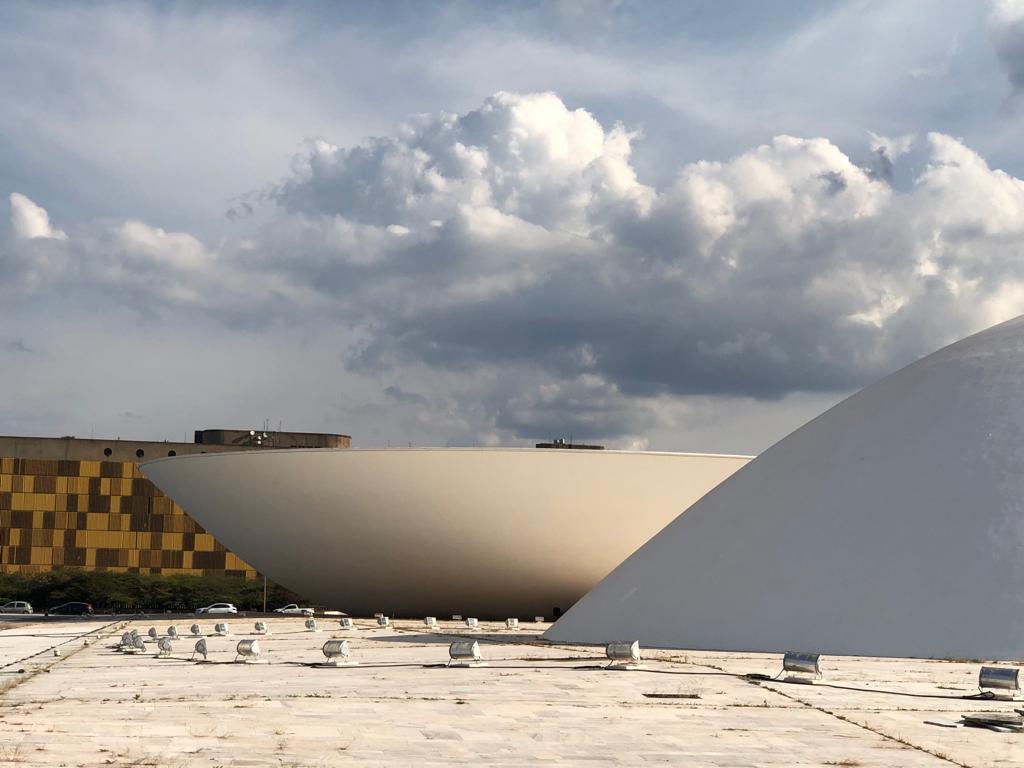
[{"x": 68, "y": 501}]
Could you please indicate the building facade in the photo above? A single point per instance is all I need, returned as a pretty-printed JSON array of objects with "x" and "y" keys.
[{"x": 68, "y": 502}]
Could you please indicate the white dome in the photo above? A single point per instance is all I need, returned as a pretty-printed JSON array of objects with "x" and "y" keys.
[{"x": 891, "y": 525}]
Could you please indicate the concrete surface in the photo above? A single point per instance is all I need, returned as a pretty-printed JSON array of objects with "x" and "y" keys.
[{"x": 533, "y": 704}]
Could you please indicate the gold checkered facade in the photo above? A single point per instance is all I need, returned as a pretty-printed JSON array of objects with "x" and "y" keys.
[{"x": 101, "y": 515}]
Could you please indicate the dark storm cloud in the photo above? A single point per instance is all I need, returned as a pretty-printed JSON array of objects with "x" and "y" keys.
[{"x": 1007, "y": 23}]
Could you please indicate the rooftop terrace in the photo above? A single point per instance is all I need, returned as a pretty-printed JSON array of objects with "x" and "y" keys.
[{"x": 533, "y": 703}]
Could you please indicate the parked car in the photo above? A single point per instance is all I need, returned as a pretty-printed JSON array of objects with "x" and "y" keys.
[
  {"x": 16, "y": 606},
  {"x": 70, "y": 609},
  {"x": 293, "y": 609},
  {"x": 218, "y": 608}
]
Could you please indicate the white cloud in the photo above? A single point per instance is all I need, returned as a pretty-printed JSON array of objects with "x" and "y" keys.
[
  {"x": 31, "y": 221},
  {"x": 503, "y": 275}
]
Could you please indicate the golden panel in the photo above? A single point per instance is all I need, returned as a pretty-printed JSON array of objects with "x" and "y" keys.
[{"x": 50, "y": 518}]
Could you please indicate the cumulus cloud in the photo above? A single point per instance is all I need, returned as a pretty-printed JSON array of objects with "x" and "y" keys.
[
  {"x": 510, "y": 263},
  {"x": 1007, "y": 23},
  {"x": 31, "y": 221}
]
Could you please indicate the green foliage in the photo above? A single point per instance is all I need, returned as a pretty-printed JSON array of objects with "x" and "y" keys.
[{"x": 130, "y": 592}]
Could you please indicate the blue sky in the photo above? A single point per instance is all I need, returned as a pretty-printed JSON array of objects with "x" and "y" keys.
[{"x": 474, "y": 223}]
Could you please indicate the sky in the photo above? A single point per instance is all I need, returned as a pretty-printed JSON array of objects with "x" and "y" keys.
[{"x": 686, "y": 226}]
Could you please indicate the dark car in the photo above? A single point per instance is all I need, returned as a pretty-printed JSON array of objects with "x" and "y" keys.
[{"x": 70, "y": 609}]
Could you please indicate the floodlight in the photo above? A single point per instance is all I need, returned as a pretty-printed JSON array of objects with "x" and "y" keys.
[
  {"x": 248, "y": 651},
  {"x": 153, "y": 634},
  {"x": 346, "y": 623},
  {"x": 196, "y": 630},
  {"x": 337, "y": 653},
  {"x": 992, "y": 679},
  {"x": 465, "y": 653},
  {"x": 383, "y": 621},
  {"x": 200, "y": 648},
  {"x": 538, "y": 619},
  {"x": 623, "y": 655},
  {"x": 260, "y": 628},
  {"x": 222, "y": 629},
  {"x": 803, "y": 664},
  {"x": 430, "y": 621},
  {"x": 164, "y": 646},
  {"x": 471, "y": 622},
  {"x": 311, "y": 625},
  {"x": 456, "y": 617},
  {"x": 511, "y": 623},
  {"x": 172, "y": 631}
]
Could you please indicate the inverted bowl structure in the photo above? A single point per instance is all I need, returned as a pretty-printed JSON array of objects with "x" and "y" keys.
[{"x": 410, "y": 532}]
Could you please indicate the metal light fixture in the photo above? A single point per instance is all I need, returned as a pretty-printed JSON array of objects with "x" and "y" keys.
[
  {"x": 511, "y": 623},
  {"x": 260, "y": 628},
  {"x": 471, "y": 622},
  {"x": 623, "y": 655},
  {"x": 1007, "y": 679},
  {"x": 200, "y": 648},
  {"x": 430, "y": 621},
  {"x": 311, "y": 625},
  {"x": 383, "y": 621},
  {"x": 465, "y": 653},
  {"x": 222, "y": 629},
  {"x": 346, "y": 623},
  {"x": 337, "y": 654},
  {"x": 456, "y": 617},
  {"x": 538, "y": 619},
  {"x": 248, "y": 651},
  {"x": 803, "y": 664},
  {"x": 196, "y": 630}
]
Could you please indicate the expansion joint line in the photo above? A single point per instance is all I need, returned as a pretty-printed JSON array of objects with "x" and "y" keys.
[
  {"x": 863, "y": 726},
  {"x": 98, "y": 633}
]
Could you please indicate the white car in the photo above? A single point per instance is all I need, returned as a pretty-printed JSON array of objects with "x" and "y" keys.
[
  {"x": 16, "y": 606},
  {"x": 218, "y": 608},
  {"x": 294, "y": 610}
]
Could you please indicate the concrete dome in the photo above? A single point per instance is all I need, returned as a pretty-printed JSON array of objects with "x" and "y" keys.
[{"x": 891, "y": 525}]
